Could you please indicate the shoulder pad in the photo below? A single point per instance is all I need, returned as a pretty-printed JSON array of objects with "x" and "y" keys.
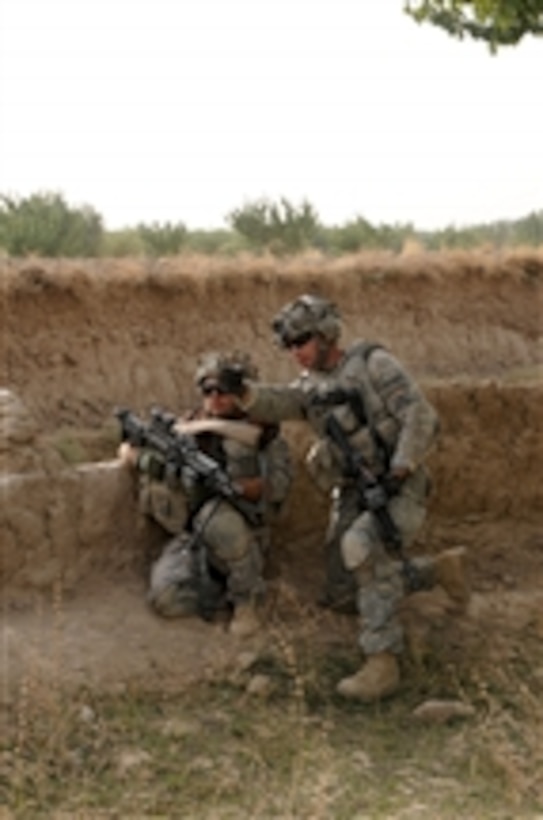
[{"x": 364, "y": 349}]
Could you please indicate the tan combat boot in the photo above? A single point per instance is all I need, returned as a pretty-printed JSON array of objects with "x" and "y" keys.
[
  {"x": 245, "y": 621},
  {"x": 378, "y": 678},
  {"x": 451, "y": 573}
]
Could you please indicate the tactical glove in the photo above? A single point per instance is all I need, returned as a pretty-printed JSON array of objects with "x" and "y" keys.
[
  {"x": 232, "y": 380},
  {"x": 151, "y": 464},
  {"x": 326, "y": 396}
]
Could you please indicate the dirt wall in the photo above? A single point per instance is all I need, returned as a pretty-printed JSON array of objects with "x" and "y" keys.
[{"x": 80, "y": 338}]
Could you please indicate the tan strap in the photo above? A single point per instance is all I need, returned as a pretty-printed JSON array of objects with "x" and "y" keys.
[{"x": 240, "y": 431}]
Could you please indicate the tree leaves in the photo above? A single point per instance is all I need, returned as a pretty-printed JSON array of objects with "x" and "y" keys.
[{"x": 498, "y": 22}]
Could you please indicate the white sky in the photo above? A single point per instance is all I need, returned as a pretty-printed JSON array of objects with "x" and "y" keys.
[{"x": 182, "y": 110}]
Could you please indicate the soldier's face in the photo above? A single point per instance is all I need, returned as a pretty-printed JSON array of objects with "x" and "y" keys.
[
  {"x": 218, "y": 403},
  {"x": 307, "y": 354},
  {"x": 315, "y": 353}
]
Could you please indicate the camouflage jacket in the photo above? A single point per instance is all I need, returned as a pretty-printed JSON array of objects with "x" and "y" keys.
[
  {"x": 395, "y": 408},
  {"x": 271, "y": 461},
  {"x": 269, "y": 458}
]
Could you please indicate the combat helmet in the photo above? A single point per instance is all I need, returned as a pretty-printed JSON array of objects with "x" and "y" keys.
[
  {"x": 307, "y": 316},
  {"x": 227, "y": 370}
]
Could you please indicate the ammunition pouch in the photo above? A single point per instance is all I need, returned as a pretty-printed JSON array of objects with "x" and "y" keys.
[
  {"x": 168, "y": 507},
  {"x": 152, "y": 464}
]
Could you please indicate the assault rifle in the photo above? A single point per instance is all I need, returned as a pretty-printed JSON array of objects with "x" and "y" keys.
[
  {"x": 183, "y": 459},
  {"x": 374, "y": 492}
]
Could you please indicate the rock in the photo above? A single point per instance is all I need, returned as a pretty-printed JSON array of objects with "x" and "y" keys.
[
  {"x": 130, "y": 759},
  {"x": 179, "y": 727},
  {"x": 87, "y": 714},
  {"x": 245, "y": 660},
  {"x": 21, "y": 448},
  {"x": 443, "y": 711},
  {"x": 259, "y": 685},
  {"x": 16, "y": 424}
]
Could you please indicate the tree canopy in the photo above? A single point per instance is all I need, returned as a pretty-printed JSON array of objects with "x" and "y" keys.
[
  {"x": 498, "y": 22},
  {"x": 278, "y": 226},
  {"x": 44, "y": 223}
]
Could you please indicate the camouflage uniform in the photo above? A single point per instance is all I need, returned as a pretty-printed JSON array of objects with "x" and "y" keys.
[
  {"x": 230, "y": 549},
  {"x": 400, "y": 427}
]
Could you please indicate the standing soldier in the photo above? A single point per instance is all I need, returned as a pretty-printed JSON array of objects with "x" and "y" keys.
[
  {"x": 384, "y": 426},
  {"x": 225, "y": 544}
]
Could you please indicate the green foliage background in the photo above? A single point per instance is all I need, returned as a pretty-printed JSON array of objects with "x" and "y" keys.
[
  {"x": 44, "y": 224},
  {"x": 498, "y": 22}
]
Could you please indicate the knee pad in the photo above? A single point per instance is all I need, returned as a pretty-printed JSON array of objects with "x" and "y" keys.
[
  {"x": 227, "y": 536},
  {"x": 354, "y": 550},
  {"x": 173, "y": 601},
  {"x": 168, "y": 507}
]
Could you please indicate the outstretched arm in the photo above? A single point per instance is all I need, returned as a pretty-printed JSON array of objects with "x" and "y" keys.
[{"x": 241, "y": 431}]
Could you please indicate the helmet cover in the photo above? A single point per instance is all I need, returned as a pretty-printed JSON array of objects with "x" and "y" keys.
[
  {"x": 227, "y": 370},
  {"x": 307, "y": 316}
]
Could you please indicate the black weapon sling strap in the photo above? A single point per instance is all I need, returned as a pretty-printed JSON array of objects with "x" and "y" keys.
[
  {"x": 366, "y": 348},
  {"x": 362, "y": 411}
]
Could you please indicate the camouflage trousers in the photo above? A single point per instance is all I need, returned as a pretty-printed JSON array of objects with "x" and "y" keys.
[
  {"x": 361, "y": 574},
  {"x": 190, "y": 570}
]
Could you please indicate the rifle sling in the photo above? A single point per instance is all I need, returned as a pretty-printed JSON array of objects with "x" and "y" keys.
[{"x": 356, "y": 468}]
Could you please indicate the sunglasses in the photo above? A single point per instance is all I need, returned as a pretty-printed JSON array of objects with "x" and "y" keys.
[
  {"x": 209, "y": 389},
  {"x": 300, "y": 341}
]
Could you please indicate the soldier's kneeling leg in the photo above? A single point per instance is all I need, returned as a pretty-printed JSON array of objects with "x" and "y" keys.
[
  {"x": 173, "y": 590},
  {"x": 234, "y": 549}
]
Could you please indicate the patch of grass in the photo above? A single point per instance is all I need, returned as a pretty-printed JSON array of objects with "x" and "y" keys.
[
  {"x": 69, "y": 448},
  {"x": 214, "y": 751},
  {"x": 81, "y": 445},
  {"x": 520, "y": 375}
]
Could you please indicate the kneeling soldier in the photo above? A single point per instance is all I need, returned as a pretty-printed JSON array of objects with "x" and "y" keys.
[{"x": 218, "y": 547}]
